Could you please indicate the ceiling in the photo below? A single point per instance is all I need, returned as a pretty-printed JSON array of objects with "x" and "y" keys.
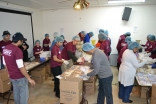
[{"x": 62, "y": 4}]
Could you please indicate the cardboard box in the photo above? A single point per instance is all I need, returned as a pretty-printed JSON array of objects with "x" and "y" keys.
[
  {"x": 4, "y": 75},
  {"x": 38, "y": 72},
  {"x": 38, "y": 79},
  {"x": 154, "y": 91},
  {"x": 143, "y": 92},
  {"x": 136, "y": 91},
  {"x": 48, "y": 67},
  {"x": 70, "y": 96},
  {"x": 5, "y": 86},
  {"x": 153, "y": 100}
]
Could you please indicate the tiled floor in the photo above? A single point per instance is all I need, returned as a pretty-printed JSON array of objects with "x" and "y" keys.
[{"x": 43, "y": 94}]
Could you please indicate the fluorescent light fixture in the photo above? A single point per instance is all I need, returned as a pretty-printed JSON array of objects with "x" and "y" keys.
[{"x": 124, "y": 1}]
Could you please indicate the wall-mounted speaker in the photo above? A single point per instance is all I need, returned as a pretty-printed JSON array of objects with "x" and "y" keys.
[{"x": 126, "y": 14}]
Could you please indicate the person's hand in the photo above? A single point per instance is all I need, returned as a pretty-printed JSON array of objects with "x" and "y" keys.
[
  {"x": 32, "y": 82},
  {"x": 41, "y": 51},
  {"x": 65, "y": 62},
  {"x": 24, "y": 47},
  {"x": 145, "y": 61}
]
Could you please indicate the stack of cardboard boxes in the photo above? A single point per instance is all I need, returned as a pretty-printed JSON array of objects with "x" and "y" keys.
[
  {"x": 71, "y": 90},
  {"x": 153, "y": 96},
  {"x": 38, "y": 75},
  {"x": 5, "y": 83},
  {"x": 143, "y": 92}
]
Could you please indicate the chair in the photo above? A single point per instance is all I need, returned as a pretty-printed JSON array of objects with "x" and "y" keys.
[{"x": 148, "y": 95}]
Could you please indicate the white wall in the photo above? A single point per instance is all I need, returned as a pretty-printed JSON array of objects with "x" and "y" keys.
[
  {"x": 109, "y": 18},
  {"x": 36, "y": 18}
]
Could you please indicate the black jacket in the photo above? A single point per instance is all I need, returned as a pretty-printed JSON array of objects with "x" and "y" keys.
[{"x": 25, "y": 52}]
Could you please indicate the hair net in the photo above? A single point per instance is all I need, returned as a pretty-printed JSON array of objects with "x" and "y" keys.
[
  {"x": 129, "y": 42},
  {"x": 102, "y": 31},
  {"x": 37, "y": 41},
  {"x": 59, "y": 39},
  {"x": 128, "y": 38},
  {"x": 62, "y": 36},
  {"x": 101, "y": 36},
  {"x": 46, "y": 35},
  {"x": 106, "y": 32},
  {"x": 83, "y": 32},
  {"x": 91, "y": 33},
  {"x": 55, "y": 34},
  {"x": 148, "y": 35},
  {"x": 87, "y": 47},
  {"x": 133, "y": 45},
  {"x": 76, "y": 38},
  {"x": 152, "y": 37},
  {"x": 127, "y": 33}
]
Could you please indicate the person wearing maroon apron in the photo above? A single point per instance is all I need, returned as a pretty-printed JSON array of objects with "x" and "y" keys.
[
  {"x": 56, "y": 63},
  {"x": 82, "y": 35},
  {"x": 6, "y": 41},
  {"x": 37, "y": 49},
  {"x": 65, "y": 42},
  {"x": 68, "y": 52},
  {"x": 108, "y": 41},
  {"x": 121, "y": 42},
  {"x": 46, "y": 43},
  {"x": 148, "y": 42}
]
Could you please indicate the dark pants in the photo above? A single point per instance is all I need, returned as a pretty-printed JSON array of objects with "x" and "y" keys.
[
  {"x": 124, "y": 92},
  {"x": 118, "y": 65},
  {"x": 105, "y": 90},
  {"x": 56, "y": 71}
]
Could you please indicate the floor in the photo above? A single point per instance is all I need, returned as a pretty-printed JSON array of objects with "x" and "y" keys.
[{"x": 43, "y": 94}]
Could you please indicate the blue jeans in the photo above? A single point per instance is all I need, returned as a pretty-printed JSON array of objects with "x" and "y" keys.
[
  {"x": 20, "y": 90},
  {"x": 105, "y": 90},
  {"x": 124, "y": 92}
]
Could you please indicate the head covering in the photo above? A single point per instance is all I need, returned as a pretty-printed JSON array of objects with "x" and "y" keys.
[
  {"x": 106, "y": 32},
  {"x": 62, "y": 36},
  {"x": 133, "y": 45},
  {"x": 76, "y": 38},
  {"x": 102, "y": 31},
  {"x": 127, "y": 33},
  {"x": 46, "y": 35},
  {"x": 87, "y": 47},
  {"x": 101, "y": 36},
  {"x": 55, "y": 34},
  {"x": 6, "y": 33},
  {"x": 59, "y": 39},
  {"x": 37, "y": 41},
  {"x": 128, "y": 38},
  {"x": 18, "y": 36},
  {"x": 148, "y": 35},
  {"x": 83, "y": 32},
  {"x": 91, "y": 33},
  {"x": 152, "y": 37}
]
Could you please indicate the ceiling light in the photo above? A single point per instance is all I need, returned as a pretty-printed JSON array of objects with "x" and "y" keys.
[
  {"x": 124, "y": 1},
  {"x": 81, "y": 4}
]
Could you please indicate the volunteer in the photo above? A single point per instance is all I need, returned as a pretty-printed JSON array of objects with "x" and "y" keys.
[
  {"x": 65, "y": 42},
  {"x": 56, "y": 62},
  {"x": 127, "y": 72},
  {"x": 108, "y": 41},
  {"x": 13, "y": 61},
  {"x": 37, "y": 49},
  {"x": 104, "y": 46},
  {"x": 24, "y": 47},
  {"x": 99, "y": 42},
  {"x": 128, "y": 41},
  {"x": 3, "y": 43},
  {"x": 82, "y": 35},
  {"x": 152, "y": 46},
  {"x": 121, "y": 41},
  {"x": 68, "y": 53},
  {"x": 46, "y": 43},
  {"x": 148, "y": 41},
  {"x": 56, "y": 34},
  {"x": 101, "y": 68},
  {"x": 88, "y": 36}
]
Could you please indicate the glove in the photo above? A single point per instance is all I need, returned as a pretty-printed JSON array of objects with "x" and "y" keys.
[
  {"x": 41, "y": 51},
  {"x": 65, "y": 62},
  {"x": 45, "y": 45},
  {"x": 145, "y": 61},
  {"x": 147, "y": 54}
]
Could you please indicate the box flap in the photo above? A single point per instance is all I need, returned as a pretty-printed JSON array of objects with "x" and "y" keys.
[{"x": 154, "y": 90}]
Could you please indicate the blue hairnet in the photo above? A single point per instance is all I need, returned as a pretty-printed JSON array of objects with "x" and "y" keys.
[
  {"x": 127, "y": 33},
  {"x": 59, "y": 39},
  {"x": 129, "y": 42},
  {"x": 91, "y": 33},
  {"x": 128, "y": 38},
  {"x": 62, "y": 36},
  {"x": 101, "y": 36},
  {"x": 55, "y": 34},
  {"x": 83, "y": 32},
  {"x": 76, "y": 38},
  {"x": 102, "y": 31},
  {"x": 148, "y": 35},
  {"x": 37, "y": 41},
  {"x": 133, "y": 45},
  {"x": 87, "y": 47},
  {"x": 106, "y": 32},
  {"x": 46, "y": 35},
  {"x": 152, "y": 37}
]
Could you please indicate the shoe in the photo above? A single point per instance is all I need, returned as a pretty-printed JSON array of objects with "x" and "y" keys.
[
  {"x": 58, "y": 96},
  {"x": 52, "y": 79},
  {"x": 130, "y": 101}
]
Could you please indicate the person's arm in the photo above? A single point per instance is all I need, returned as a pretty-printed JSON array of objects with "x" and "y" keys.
[
  {"x": 153, "y": 52},
  {"x": 56, "y": 59},
  {"x": 72, "y": 56},
  {"x": 26, "y": 45},
  {"x": 119, "y": 44},
  {"x": 86, "y": 39}
]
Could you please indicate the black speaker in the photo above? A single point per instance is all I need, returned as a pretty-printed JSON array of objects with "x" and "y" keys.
[{"x": 126, "y": 14}]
